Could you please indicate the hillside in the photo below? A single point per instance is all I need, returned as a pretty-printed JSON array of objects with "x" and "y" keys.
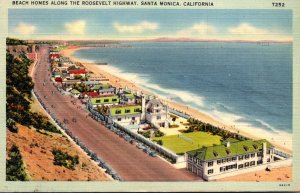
[{"x": 36, "y": 149}]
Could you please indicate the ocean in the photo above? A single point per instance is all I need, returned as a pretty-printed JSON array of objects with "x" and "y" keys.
[{"x": 242, "y": 84}]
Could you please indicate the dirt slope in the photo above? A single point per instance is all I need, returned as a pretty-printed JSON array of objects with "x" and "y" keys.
[{"x": 36, "y": 150}]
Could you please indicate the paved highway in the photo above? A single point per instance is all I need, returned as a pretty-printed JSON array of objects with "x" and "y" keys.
[{"x": 131, "y": 163}]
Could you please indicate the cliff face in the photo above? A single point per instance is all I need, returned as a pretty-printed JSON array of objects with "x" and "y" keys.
[{"x": 32, "y": 132}]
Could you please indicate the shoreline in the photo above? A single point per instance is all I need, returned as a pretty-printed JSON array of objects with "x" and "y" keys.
[{"x": 118, "y": 81}]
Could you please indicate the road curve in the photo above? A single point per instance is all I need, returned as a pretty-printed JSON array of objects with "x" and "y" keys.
[{"x": 132, "y": 164}]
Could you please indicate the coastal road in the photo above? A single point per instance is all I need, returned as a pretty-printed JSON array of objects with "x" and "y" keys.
[{"x": 131, "y": 163}]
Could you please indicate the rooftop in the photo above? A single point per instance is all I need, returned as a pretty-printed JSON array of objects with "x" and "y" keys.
[
  {"x": 75, "y": 91},
  {"x": 235, "y": 148},
  {"x": 104, "y": 100},
  {"x": 119, "y": 110},
  {"x": 130, "y": 96}
]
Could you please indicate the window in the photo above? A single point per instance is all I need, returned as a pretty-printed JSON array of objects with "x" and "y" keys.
[
  {"x": 133, "y": 118},
  {"x": 252, "y": 163},
  {"x": 241, "y": 166},
  {"x": 259, "y": 162},
  {"x": 252, "y": 154},
  {"x": 127, "y": 110},
  {"x": 158, "y": 117},
  {"x": 219, "y": 161},
  {"x": 233, "y": 158},
  {"x": 114, "y": 100},
  {"x": 259, "y": 153},
  {"x": 269, "y": 151},
  {"x": 221, "y": 169},
  {"x": 106, "y": 100},
  {"x": 210, "y": 164},
  {"x": 268, "y": 160},
  {"x": 246, "y": 164},
  {"x": 228, "y": 159},
  {"x": 241, "y": 157},
  {"x": 157, "y": 110},
  {"x": 136, "y": 110},
  {"x": 247, "y": 156},
  {"x": 118, "y": 111},
  {"x": 210, "y": 171},
  {"x": 98, "y": 101},
  {"x": 119, "y": 119},
  {"x": 223, "y": 160}
]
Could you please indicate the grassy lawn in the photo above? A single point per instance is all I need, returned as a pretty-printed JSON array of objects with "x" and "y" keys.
[{"x": 192, "y": 141}]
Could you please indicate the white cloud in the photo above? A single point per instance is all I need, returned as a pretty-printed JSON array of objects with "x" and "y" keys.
[
  {"x": 137, "y": 28},
  {"x": 197, "y": 29},
  {"x": 247, "y": 29},
  {"x": 76, "y": 27},
  {"x": 25, "y": 29}
]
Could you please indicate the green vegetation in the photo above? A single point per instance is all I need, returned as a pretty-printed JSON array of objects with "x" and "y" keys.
[
  {"x": 189, "y": 141},
  {"x": 12, "y": 41},
  {"x": 81, "y": 87},
  {"x": 158, "y": 133},
  {"x": 15, "y": 169},
  {"x": 64, "y": 159},
  {"x": 18, "y": 96},
  {"x": 196, "y": 125},
  {"x": 146, "y": 134}
]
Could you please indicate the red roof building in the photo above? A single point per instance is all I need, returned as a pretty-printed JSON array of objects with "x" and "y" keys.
[
  {"x": 79, "y": 71},
  {"x": 54, "y": 56},
  {"x": 90, "y": 94},
  {"x": 58, "y": 79}
]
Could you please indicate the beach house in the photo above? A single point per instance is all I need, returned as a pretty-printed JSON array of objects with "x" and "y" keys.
[
  {"x": 104, "y": 89},
  {"x": 75, "y": 92},
  {"x": 155, "y": 113},
  {"x": 125, "y": 114},
  {"x": 77, "y": 72},
  {"x": 128, "y": 98},
  {"x": 229, "y": 158},
  {"x": 104, "y": 100}
]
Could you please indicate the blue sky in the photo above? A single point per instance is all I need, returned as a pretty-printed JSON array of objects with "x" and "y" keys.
[{"x": 150, "y": 23}]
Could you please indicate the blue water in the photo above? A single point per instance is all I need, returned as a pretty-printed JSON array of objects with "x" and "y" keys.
[{"x": 242, "y": 83}]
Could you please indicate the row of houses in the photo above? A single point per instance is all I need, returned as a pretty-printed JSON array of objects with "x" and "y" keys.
[{"x": 118, "y": 104}]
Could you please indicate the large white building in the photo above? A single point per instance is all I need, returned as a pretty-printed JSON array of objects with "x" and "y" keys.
[
  {"x": 155, "y": 113},
  {"x": 229, "y": 159}
]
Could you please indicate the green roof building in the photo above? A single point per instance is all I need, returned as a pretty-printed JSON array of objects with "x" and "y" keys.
[
  {"x": 104, "y": 100},
  {"x": 75, "y": 92},
  {"x": 126, "y": 114},
  {"x": 230, "y": 158}
]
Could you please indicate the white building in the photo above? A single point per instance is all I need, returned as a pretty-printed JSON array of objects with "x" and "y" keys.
[
  {"x": 155, "y": 113},
  {"x": 125, "y": 114},
  {"x": 229, "y": 159}
]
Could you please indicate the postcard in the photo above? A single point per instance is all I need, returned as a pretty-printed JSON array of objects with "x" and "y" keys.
[{"x": 125, "y": 95}]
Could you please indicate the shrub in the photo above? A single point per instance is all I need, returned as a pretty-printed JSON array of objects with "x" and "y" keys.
[
  {"x": 158, "y": 134},
  {"x": 15, "y": 169},
  {"x": 64, "y": 159}
]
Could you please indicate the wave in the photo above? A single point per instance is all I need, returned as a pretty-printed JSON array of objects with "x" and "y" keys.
[{"x": 143, "y": 80}]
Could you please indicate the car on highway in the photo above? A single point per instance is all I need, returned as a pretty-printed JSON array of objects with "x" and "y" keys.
[
  {"x": 140, "y": 146},
  {"x": 153, "y": 153}
]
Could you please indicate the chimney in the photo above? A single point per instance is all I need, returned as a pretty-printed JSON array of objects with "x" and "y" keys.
[
  {"x": 264, "y": 149},
  {"x": 227, "y": 144},
  {"x": 143, "y": 115}
]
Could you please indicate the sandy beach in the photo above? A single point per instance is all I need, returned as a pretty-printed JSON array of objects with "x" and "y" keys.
[{"x": 280, "y": 141}]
